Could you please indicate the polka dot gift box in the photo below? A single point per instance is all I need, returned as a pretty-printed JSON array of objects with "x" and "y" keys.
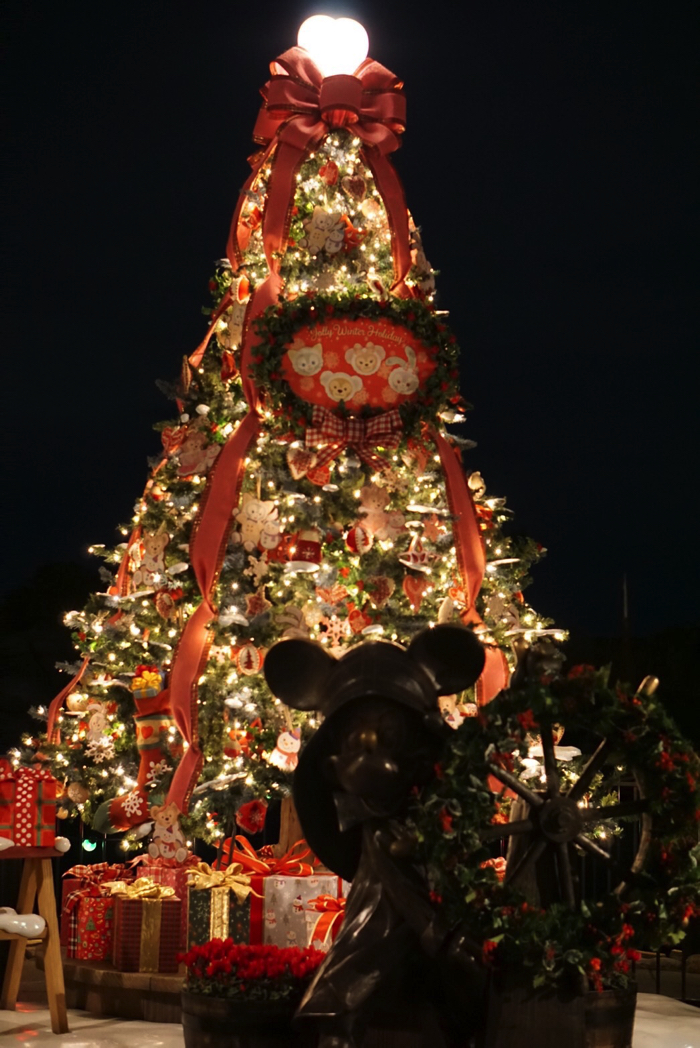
[{"x": 27, "y": 806}]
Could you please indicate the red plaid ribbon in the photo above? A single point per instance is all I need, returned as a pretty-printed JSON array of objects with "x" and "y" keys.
[
  {"x": 100, "y": 871},
  {"x": 333, "y": 434}
]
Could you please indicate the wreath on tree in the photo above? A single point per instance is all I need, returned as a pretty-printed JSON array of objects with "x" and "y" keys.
[
  {"x": 279, "y": 325},
  {"x": 553, "y": 815}
]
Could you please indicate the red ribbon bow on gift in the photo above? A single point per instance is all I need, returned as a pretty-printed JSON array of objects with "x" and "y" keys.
[
  {"x": 290, "y": 863},
  {"x": 333, "y": 434},
  {"x": 331, "y": 913}
]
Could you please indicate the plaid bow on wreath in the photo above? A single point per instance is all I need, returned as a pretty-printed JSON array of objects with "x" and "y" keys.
[{"x": 333, "y": 434}]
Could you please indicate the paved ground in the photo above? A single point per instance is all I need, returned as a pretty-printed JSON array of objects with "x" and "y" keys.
[{"x": 660, "y": 1022}]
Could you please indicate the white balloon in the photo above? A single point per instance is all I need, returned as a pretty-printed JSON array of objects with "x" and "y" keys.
[
  {"x": 62, "y": 844},
  {"x": 337, "y": 45}
]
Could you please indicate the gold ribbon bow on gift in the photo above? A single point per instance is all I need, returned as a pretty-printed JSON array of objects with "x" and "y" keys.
[
  {"x": 141, "y": 888},
  {"x": 232, "y": 878}
]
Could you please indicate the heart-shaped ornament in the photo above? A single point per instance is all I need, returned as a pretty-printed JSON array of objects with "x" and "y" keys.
[
  {"x": 358, "y": 620},
  {"x": 415, "y": 588},
  {"x": 380, "y": 588},
  {"x": 320, "y": 477},
  {"x": 355, "y": 186},
  {"x": 300, "y": 461}
]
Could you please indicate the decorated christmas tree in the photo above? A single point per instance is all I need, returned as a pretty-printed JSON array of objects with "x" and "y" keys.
[{"x": 308, "y": 484}]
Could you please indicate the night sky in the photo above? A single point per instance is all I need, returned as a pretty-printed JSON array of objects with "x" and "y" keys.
[{"x": 549, "y": 161}]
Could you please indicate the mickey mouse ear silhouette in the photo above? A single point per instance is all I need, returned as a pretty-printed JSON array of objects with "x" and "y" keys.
[
  {"x": 452, "y": 655},
  {"x": 296, "y": 671}
]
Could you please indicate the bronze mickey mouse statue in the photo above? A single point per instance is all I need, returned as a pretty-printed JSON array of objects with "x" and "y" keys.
[{"x": 381, "y": 736}]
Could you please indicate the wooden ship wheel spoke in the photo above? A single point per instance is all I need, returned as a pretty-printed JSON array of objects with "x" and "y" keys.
[{"x": 547, "y": 824}]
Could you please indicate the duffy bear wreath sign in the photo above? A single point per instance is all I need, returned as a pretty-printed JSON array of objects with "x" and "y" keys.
[
  {"x": 358, "y": 362},
  {"x": 349, "y": 358}
]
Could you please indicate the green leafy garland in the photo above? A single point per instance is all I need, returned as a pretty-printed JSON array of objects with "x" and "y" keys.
[
  {"x": 558, "y": 944},
  {"x": 278, "y": 325}
]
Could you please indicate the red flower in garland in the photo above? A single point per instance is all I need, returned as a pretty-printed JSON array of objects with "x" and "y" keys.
[
  {"x": 594, "y": 966},
  {"x": 527, "y": 720},
  {"x": 251, "y": 816},
  {"x": 581, "y": 671},
  {"x": 446, "y": 820},
  {"x": 504, "y": 760}
]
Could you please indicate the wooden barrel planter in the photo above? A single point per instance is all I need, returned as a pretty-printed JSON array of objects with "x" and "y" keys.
[
  {"x": 520, "y": 1015},
  {"x": 217, "y": 1022}
]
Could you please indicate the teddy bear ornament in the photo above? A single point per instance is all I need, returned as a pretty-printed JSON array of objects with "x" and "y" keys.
[{"x": 380, "y": 739}]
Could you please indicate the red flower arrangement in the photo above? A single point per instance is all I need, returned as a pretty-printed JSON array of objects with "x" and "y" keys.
[{"x": 222, "y": 968}]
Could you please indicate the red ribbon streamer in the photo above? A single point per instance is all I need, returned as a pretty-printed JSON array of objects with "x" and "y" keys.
[
  {"x": 471, "y": 561},
  {"x": 57, "y": 703},
  {"x": 207, "y": 547},
  {"x": 333, "y": 434},
  {"x": 195, "y": 359}
]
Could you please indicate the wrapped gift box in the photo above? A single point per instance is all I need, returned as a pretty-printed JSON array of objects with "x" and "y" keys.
[
  {"x": 27, "y": 806},
  {"x": 172, "y": 875},
  {"x": 279, "y": 918},
  {"x": 146, "y": 930},
  {"x": 88, "y": 922},
  {"x": 282, "y": 891},
  {"x": 218, "y": 905},
  {"x": 83, "y": 877}
]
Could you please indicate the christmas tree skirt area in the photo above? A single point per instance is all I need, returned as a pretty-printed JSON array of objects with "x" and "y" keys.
[{"x": 660, "y": 1022}]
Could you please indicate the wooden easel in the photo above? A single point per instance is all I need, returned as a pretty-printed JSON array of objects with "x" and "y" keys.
[{"x": 37, "y": 883}]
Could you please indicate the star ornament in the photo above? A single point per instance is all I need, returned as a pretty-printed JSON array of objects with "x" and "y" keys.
[
  {"x": 433, "y": 528},
  {"x": 257, "y": 603}
]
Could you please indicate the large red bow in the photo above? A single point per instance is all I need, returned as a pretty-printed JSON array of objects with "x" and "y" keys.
[
  {"x": 300, "y": 107},
  {"x": 333, "y": 434},
  {"x": 309, "y": 105}
]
